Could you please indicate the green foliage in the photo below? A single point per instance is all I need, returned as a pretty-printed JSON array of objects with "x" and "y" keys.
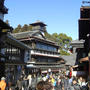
[
  {"x": 24, "y": 28},
  {"x": 7, "y": 22},
  {"x": 63, "y": 40},
  {"x": 29, "y": 27},
  {"x": 17, "y": 29},
  {"x": 62, "y": 52},
  {"x": 50, "y": 37}
]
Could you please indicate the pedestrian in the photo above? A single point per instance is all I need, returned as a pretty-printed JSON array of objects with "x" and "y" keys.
[
  {"x": 25, "y": 82},
  {"x": 10, "y": 86},
  {"x": 84, "y": 84},
  {"x": 80, "y": 81},
  {"x": 39, "y": 78},
  {"x": 88, "y": 85},
  {"x": 58, "y": 84},
  {"x": 2, "y": 83},
  {"x": 33, "y": 82},
  {"x": 44, "y": 85},
  {"x": 66, "y": 82},
  {"x": 62, "y": 81},
  {"x": 71, "y": 80},
  {"x": 75, "y": 84},
  {"x": 19, "y": 84},
  {"x": 29, "y": 78}
]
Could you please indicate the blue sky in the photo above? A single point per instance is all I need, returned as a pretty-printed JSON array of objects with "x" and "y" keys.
[{"x": 61, "y": 16}]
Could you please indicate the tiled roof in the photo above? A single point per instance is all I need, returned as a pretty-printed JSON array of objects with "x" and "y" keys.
[
  {"x": 25, "y": 34},
  {"x": 11, "y": 40},
  {"x": 77, "y": 41},
  {"x": 38, "y": 23},
  {"x": 33, "y": 33},
  {"x": 70, "y": 60}
]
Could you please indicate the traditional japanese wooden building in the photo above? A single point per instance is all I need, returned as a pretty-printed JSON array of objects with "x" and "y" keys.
[
  {"x": 45, "y": 53},
  {"x": 81, "y": 64},
  {"x": 17, "y": 54},
  {"x": 81, "y": 46},
  {"x": 3, "y": 25},
  {"x": 14, "y": 54}
]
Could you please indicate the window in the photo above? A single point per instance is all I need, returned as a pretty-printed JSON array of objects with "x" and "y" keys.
[{"x": 45, "y": 47}]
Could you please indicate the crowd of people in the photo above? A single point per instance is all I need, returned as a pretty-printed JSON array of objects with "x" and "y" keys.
[
  {"x": 46, "y": 82},
  {"x": 67, "y": 83}
]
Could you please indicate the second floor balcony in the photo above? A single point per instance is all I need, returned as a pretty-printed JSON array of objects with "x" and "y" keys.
[{"x": 47, "y": 53}]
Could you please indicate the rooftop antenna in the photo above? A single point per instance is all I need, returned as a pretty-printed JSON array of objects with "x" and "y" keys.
[{"x": 86, "y": 2}]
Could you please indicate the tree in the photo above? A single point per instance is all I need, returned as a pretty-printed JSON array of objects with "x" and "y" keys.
[
  {"x": 24, "y": 28},
  {"x": 29, "y": 27},
  {"x": 63, "y": 40},
  {"x": 17, "y": 29},
  {"x": 55, "y": 36},
  {"x": 7, "y": 22},
  {"x": 49, "y": 36}
]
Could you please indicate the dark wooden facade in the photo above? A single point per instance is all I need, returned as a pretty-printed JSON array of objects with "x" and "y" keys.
[
  {"x": 13, "y": 53},
  {"x": 82, "y": 46},
  {"x": 84, "y": 22},
  {"x": 43, "y": 52},
  {"x": 3, "y": 9},
  {"x": 81, "y": 63}
]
